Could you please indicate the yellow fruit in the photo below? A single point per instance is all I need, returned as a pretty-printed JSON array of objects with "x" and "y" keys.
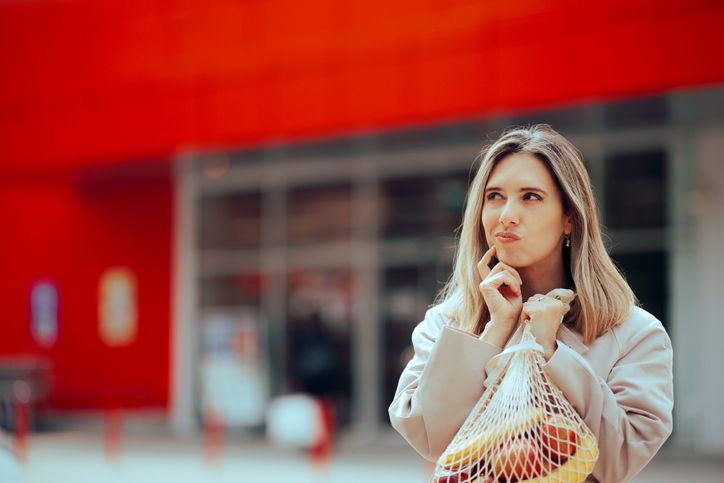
[
  {"x": 469, "y": 452},
  {"x": 576, "y": 469}
]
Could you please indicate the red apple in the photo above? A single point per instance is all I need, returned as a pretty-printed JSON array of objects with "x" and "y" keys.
[
  {"x": 452, "y": 478},
  {"x": 558, "y": 438},
  {"x": 518, "y": 459}
]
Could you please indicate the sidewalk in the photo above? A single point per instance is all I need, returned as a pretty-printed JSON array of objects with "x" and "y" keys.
[{"x": 79, "y": 457}]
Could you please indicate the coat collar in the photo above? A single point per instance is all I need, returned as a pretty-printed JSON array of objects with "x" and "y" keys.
[{"x": 572, "y": 339}]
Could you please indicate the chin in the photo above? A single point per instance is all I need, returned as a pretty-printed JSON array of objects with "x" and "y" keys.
[
  {"x": 518, "y": 266},
  {"x": 515, "y": 259}
]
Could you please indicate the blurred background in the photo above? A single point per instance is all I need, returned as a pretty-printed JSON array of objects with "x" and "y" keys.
[{"x": 210, "y": 208}]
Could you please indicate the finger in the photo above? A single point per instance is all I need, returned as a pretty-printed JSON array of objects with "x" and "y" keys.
[
  {"x": 545, "y": 308},
  {"x": 524, "y": 313},
  {"x": 535, "y": 297},
  {"x": 563, "y": 294},
  {"x": 483, "y": 264},
  {"x": 499, "y": 280},
  {"x": 500, "y": 266}
]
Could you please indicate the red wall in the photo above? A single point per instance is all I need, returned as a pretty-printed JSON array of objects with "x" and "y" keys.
[
  {"x": 88, "y": 82},
  {"x": 70, "y": 230}
]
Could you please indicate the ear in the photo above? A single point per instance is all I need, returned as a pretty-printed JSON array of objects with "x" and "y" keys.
[{"x": 567, "y": 224}]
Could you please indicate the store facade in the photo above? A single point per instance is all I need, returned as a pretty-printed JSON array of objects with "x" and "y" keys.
[{"x": 358, "y": 233}]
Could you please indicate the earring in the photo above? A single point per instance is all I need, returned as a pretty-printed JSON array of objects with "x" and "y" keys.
[{"x": 567, "y": 240}]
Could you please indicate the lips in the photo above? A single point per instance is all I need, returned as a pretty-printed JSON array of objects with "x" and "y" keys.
[{"x": 506, "y": 236}]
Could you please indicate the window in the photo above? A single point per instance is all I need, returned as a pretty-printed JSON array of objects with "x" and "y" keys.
[
  {"x": 230, "y": 221},
  {"x": 319, "y": 214},
  {"x": 647, "y": 274},
  {"x": 636, "y": 190},
  {"x": 423, "y": 206},
  {"x": 231, "y": 290}
]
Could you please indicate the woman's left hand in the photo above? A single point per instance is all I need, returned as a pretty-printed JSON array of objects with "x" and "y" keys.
[{"x": 545, "y": 313}]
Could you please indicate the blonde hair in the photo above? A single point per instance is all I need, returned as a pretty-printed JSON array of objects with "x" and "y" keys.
[{"x": 603, "y": 300}]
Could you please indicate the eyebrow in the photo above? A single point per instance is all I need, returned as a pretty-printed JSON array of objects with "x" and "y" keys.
[{"x": 529, "y": 188}]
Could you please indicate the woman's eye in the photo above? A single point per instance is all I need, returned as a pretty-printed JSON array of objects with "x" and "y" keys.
[
  {"x": 494, "y": 196},
  {"x": 532, "y": 196}
]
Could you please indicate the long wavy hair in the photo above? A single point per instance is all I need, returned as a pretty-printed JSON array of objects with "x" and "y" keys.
[{"x": 604, "y": 299}]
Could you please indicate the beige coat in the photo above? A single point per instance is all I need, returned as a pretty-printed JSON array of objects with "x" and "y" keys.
[{"x": 621, "y": 385}]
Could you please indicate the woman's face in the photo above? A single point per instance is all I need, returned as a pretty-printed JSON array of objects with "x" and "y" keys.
[{"x": 523, "y": 213}]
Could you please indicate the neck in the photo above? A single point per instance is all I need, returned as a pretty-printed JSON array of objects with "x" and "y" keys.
[{"x": 542, "y": 278}]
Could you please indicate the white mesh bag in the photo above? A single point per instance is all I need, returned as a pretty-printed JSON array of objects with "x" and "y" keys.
[{"x": 521, "y": 430}]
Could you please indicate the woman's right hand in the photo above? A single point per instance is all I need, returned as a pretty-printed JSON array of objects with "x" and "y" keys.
[{"x": 501, "y": 289}]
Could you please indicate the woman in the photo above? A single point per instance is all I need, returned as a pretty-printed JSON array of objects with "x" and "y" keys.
[{"x": 531, "y": 226}]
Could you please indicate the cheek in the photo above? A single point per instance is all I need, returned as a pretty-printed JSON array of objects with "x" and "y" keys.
[
  {"x": 489, "y": 220},
  {"x": 549, "y": 230}
]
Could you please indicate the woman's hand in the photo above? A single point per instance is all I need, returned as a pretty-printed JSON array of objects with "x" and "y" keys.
[
  {"x": 500, "y": 287},
  {"x": 545, "y": 315}
]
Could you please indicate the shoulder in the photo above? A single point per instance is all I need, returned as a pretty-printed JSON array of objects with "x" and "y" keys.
[
  {"x": 445, "y": 310},
  {"x": 638, "y": 327},
  {"x": 638, "y": 321},
  {"x": 436, "y": 317},
  {"x": 441, "y": 314}
]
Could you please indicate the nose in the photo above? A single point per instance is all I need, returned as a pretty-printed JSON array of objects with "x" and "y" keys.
[{"x": 509, "y": 214}]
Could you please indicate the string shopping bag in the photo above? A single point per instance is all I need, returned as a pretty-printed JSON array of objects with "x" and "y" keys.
[{"x": 522, "y": 429}]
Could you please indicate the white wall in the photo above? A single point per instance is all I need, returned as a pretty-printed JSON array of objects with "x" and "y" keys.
[{"x": 698, "y": 291}]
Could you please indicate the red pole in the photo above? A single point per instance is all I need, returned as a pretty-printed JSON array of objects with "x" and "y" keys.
[
  {"x": 321, "y": 452},
  {"x": 21, "y": 431},
  {"x": 113, "y": 433},
  {"x": 214, "y": 436},
  {"x": 22, "y": 416}
]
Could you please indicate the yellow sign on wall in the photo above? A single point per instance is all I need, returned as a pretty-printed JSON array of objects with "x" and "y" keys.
[{"x": 117, "y": 307}]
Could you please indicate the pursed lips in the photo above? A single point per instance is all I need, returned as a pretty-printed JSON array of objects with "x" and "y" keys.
[{"x": 506, "y": 236}]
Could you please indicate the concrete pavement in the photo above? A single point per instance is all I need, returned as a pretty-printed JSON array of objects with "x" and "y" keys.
[{"x": 80, "y": 457}]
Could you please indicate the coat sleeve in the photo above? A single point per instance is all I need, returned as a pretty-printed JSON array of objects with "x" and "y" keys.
[
  {"x": 630, "y": 411},
  {"x": 440, "y": 385}
]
